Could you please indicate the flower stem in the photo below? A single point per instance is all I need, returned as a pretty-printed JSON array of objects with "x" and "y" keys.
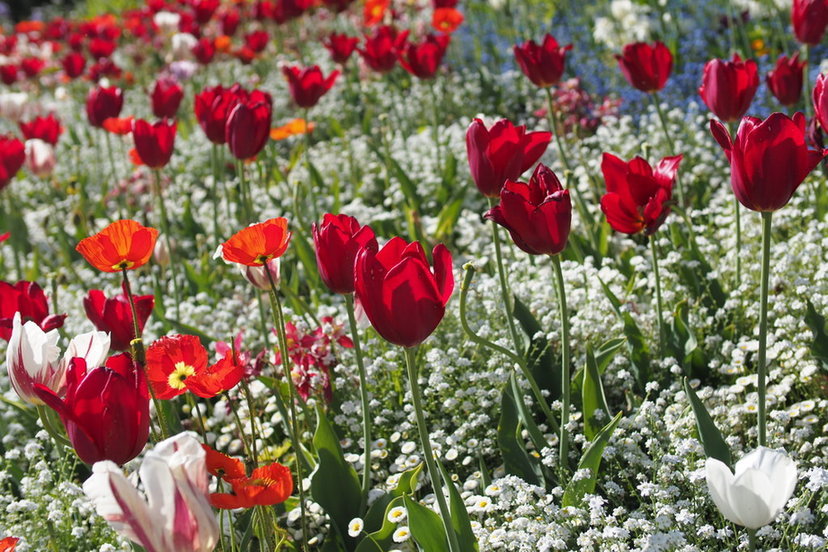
[
  {"x": 504, "y": 286},
  {"x": 165, "y": 228},
  {"x": 670, "y": 143},
  {"x": 751, "y": 540},
  {"x": 737, "y": 209},
  {"x": 215, "y": 166},
  {"x": 659, "y": 303},
  {"x": 763, "y": 324},
  {"x": 425, "y": 443},
  {"x": 435, "y": 126},
  {"x": 565, "y": 376},
  {"x": 553, "y": 126},
  {"x": 363, "y": 392}
]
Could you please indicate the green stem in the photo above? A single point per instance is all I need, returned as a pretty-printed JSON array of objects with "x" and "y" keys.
[
  {"x": 763, "y": 324},
  {"x": 670, "y": 143},
  {"x": 565, "y": 376},
  {"x": 659, "y": 303},
  {"x": 435, "y": 125},
  {"x": 504, "y": 285},
  {"x": 165, "y": 228},
  {"x": 553, "y": 126},
  {"x": 195, "y": 409},
  {"x": 214, "y": 163},
  {"x": 428, "y": 453},
  {"x": 363, "y": 392},
  {"x": 738, "y": 212},
  {"x": 806, "y": 81},
  {"x": 752, "y": 542}
]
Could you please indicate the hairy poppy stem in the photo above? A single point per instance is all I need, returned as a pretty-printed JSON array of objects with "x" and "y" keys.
[
  {"x": 659, "y": 304},
  {"x": 428, "y": 454},
  {"x": 363, "y": 393},
  {"x": 761, "y": 368},
  {"x": 565, "y": 376}
]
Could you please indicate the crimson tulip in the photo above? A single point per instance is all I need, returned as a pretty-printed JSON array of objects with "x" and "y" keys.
[
  {"x": 257, "y": 40},
  {"x": 28, "y": 299},
  {"x": 728, "y": 87},
  {"x": 42, "y": 128},
  {"x": 308, "y": 84},
  {"x": 538, "y": 215},
  {"x": 103, "y": 103},
  {"x": 821, "y": 102},
  {"x": 114, "y": 315},
  {"x": 646, "y": 67},
  {"x": 248, "y": 125},
  {"x": 204, "y": 50},
  {"x": 402, "y": 296},
  {"x": 338, "y": 5},
  {"x": 230, "y": 21},
  {"x": 422, "y": 60},
  {"x": 502, "y": 152},
  {"x": 8, "y": 73},
  {"x": 12, "y": 156},
  {"x": 785, "y": 80},
  {"x": 380, "y": 52},
  {"x": 341, "y": 46},
  {"x": 638, "y": 197},
  {"x": 809, "y": 19},
  {"x": 543, "y": 63},
  {"x": 337, "y": 241},
  {"x": 154, "y": 142},
  {"x": 212, "y": 106},
  {"x": 105, "y": 410},
  {"x": 32, "y": 66},
  {"x": 166, "y": 97},
  {"x": 204, "y": 10},
  {"x": 768, "y": 160},
  {"x": 101, "y": 48},
  {"x": 73, "y": 64}
]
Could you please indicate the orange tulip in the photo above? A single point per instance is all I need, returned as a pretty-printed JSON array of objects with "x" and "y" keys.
[
  {"x": 258, "y": 243},
  {"x": 124, "y": 244},
  {"x": 270, "y": 484}
]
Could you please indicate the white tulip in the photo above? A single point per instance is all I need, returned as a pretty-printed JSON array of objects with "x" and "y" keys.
[
  {"x": 182, "y": 45},
  {"x": 176, "y": 515},
  {"x": 93, "y": 347},
  {"x": 13, "y": 105},
  {"x": 757, "y": 492},
  {"x": 167, "y": 21},
  {"x": 40, "y": 157}
]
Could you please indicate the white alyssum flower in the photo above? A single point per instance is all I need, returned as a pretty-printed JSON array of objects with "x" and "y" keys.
[{"x": 355, "y": 527}]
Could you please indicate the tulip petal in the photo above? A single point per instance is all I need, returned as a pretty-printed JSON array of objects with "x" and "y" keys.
[
  {"x": 443, "y": 271},
  {"x": 719, "y": 482},
  {"x": 749, "y": 497}
]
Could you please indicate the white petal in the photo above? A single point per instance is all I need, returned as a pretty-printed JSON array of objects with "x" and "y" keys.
[
  {"x": 719, "y": 482},
  {"x": 750, "y": 495},
  {"x": 92, "y": 346}
]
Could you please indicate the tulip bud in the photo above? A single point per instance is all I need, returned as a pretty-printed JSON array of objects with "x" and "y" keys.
[
  {"x": 161, "y": 254},
  {"x": 182, "y": 45},
  {"x": 257, "y": 275},
  {"x": 167, "y": 22},
  {"x": 40, "y": 157}
]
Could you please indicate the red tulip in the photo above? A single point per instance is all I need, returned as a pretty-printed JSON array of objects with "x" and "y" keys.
[
  {"x": 212, "y": 106},
  {"x": 101, "y": 48},
  {"x": 257, "y": 40},
  {"x": 166, "y": 97},
  {"x": 380, "y": 52},
  {"x": 248, "y": 125},
  {"x": 785, "y": 80},
  {"x": 444, "y": 4},
  {"x": 638, "y": 198},
  {"x": 8, "y": 73},
  {"x": 538, "y": 215},
  {"x": 103, "y": 103},
  {"x": 501, "y": 153},
  {"x": 821, "y": 101},
  {"x": 341, "y": 46},
  {"x": 32, "y": 66},
  {"x": 337, "y": 241},
  {"x": 154, "y": 143},
  {"x": 43, "y": 128},
  {"x": 768, "y": 160},
  {"x": 422, "y": 60},
  {"x": 308, "y": 84},
  {"x": 543, "y": 63},
  {"x": 204, "y": 50},
  {"x": 73, "y": 64},
  {"x": 12, "y": 156},
  {"x": 105, "y": 410},
  {"x": 728, "y": 87},
  {"x": 230, "y": 21},
  {"x": 28, "y": 299},
  {"x": 104, "y": 68},
  {"x": 646, "y": 67},
  {"x": 403, "y": 298},
  {"x": 809, "y": 19},
  {"x": 114, "y": 315},
  {"x": 204, "y": 10}
]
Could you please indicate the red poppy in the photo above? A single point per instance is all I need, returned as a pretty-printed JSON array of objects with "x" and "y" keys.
[
  {"x": 123, "y": 245},
  {"x": 446, "y": 20},
  {"x": 267, "y": 485},
  {"x": 422, "y": 60},
  {"x": 178, "y": 363},
  {"x": 114, "y": 315},
  {"x": 8, "y": 544},
  {"x": 28, "y": 299},
  {"x": 223, "y": 466},
  {"x": 121, "y": 126},
  {"x": 308, "y": 84},
  {"x": 374, "y": 11},
  {"x": 258, "y": 243},
  {"x": 46, "y": 128}
]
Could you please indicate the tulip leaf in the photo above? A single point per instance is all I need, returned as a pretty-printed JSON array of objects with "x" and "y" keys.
[
  {"x": 591, "y": 460},
  {"x": 406, "y": 485},
  {"x": 448, "y": 218},
  {"x": 684, "y": 343},
  {"x": 709, "y": 435},
  {"x": 460, "y": 522},
  {"x": 426, "y": 527},
  {"x": 636, "y": 342},
  {"x": 592, "y": 397},
  {"x": 539, "y": 357},
  {"x": 603, "y": 356},
  {"x": 525, "y": 415},
  {"x": 816, "y": 322},
  {"x": 334, "y": 482},
  {"x": 515, "y": 458},
  {"x": 380, "y": 539},
  {"x": 308, "y": 259}
]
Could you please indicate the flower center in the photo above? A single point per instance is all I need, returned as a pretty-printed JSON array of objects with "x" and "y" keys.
[
  {"x": 182, "y": 372},
  {"x": 262, "y": 259},
  {"x": 123, "y": 265}
]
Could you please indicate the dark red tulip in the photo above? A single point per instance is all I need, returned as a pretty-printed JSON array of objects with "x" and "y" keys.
[
  {"x": 422, "y": 60},
  {"x": 8, "y": 73},
  {"x": 230, "y": 21},
  {"x": 501, "y": 153},
  {"x": 444, "y": 4},
  {"x": 380, "y": 53},
  {"x": 809, "y": 19},
  {"x": 646, "y": 67},
  {"x": 768, "y": 160},
  {"x": 12, "y": 156},
  {"x": 337, "y": 241},
  {"x": 204, "y": 50},
  {"x": 285, "y": 10},
  {"x": 154, "y": 142},
  {"x": 114, "y": 315},
  {"x": 638, "y": 197},
  {"x": 73, "y": 64},
  {"x": 204, "y": 10},
  {"x": 103, "y": 103},
  {"x": 166, "y": 97},
  {"x": 257, "y": 40},
  {"x": 820, "y": 99},
  {"x": 248, "y": 125},
  {"x": 104, "y": 67},
  {"x": 728, "y": 87},
  {"x": 28, "y": 299},
  {"x": 263, "y": 9},
  {"x": 43, "y": 128},
  {"x": 100, "y": 48},
  {"x": 308, "y": 84},
  {"x": 543, "y": 63},
  {"x": 403, "y": 298},
  {"x": 32, "y": 66},
  {"x": 212, "y": 106},
  {"x": 341, "y": 46},
  {"x": 785, "y": 80},
  {"x": 537, "y": 215},
  {"x": 338, "y": 5},
  {"x": 105, "y": 410}
]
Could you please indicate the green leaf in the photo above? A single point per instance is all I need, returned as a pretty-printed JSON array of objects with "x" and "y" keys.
[
  {"x": 603, "y": 356},
  {"x": 334, "y": 482},
  {"x": 381, "y": 539},
  {"x": 592, "y": 397},
  {"x": 426, "y": 527},
  {"x": 448, "y": 218},
  {"x": 460, "y": 522},
  {"x": 709, "y": 435},
  {"x": 636, "y": 342},
  {"x": 590, "y": 460},
  {"x": 406, "y": 485},
  {"x": 539, "y": 357},
  {"x": 816, "y": 322},
  {"x": 515, "y": 458}
]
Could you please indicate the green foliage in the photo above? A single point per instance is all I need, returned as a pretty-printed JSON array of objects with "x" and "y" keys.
[
  {"x": 591, "y": 460},
  {"x": 709, "y": 435}
]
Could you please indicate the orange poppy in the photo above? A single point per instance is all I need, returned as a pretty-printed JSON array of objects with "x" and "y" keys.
[
  {"x": 123, "y": 245},
  {"x": 223, "y": 466},
  {"x": 258, "y": 243},
  {"x": 118, "y": 125},
  {"x": 374, "y": 11},
  {"x": 223, "y": 43},
  {"x": 292, "y": 128},
  {"x": 267, "y": 485},
  {"x": 8, "y": 544},
  {"x": 446, "y": 20}
]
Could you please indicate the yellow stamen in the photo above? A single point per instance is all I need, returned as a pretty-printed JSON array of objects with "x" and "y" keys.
[{"x": 182, "y": 372}]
